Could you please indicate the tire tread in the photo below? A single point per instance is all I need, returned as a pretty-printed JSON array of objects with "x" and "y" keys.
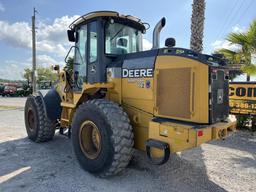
[
  {"x": 45, "y": 130},
  {"x": 122, "y": 136}
]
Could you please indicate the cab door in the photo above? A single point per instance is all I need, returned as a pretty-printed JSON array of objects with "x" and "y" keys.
[
  {"x": 93, "y": 61},
  {"x": 86, "y": 55},
  {"x": 80, "y": 59}
]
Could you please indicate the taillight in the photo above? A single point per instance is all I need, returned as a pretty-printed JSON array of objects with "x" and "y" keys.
[
  {"x": 200, "y": 133},
  {"x": 214, "y": 70}
]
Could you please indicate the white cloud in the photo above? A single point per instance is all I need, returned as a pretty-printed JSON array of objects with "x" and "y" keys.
[
  {"x": 17, "y": 34},
  {"x": 52, "y": 47},
  {"x": 13, "y": 70},
  {"x": 146, "y": 44},
  {"x": 220, "y": 44},
  {"x": 238, "y": 28},
  {"x": 51, "y": 38},
  {"x": 57, "y": 31},
  {"x": 2, "y": 9},
  {"x": 46, "y": 61}
]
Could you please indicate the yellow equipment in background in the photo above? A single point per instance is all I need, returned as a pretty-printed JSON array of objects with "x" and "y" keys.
[
  {"x": 114, "y": 97},
  {"x": 242, "y": 98},
  {"x": 242, "y": 101}
]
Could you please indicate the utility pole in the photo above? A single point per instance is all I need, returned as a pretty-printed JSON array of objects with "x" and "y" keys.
[{"x": 34, "y": 52}]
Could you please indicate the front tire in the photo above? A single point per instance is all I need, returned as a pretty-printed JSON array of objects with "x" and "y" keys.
[
  {"x": 102, "y": 137},
  {"x": 38, "y": 126}
]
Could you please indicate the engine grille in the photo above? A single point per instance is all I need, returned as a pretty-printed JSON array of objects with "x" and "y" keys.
[{"x": 173, "y": 92}]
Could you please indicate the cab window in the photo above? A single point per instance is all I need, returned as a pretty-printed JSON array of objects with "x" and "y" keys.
[
  {"x": 80, "y": 64},
  {"x": 93, "y": 42},
  {"x": 122, "y": 39}
]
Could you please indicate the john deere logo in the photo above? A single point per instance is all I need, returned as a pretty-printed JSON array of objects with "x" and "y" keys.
[
  {"x": 242, "y": 91},
  {"x": 131, "y": 73}
]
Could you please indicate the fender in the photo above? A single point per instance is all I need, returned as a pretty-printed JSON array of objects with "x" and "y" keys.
[{"x": 52, "y": 105}]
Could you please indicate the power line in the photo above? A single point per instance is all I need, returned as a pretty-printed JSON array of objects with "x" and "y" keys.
[
  {"x": 236, "y": 7},
  {"x": 239, "y": 14},
  {"x": 228, "y": 16},
  {"x": 245, "y": 11},
  {"x": 236, "y": 15}
]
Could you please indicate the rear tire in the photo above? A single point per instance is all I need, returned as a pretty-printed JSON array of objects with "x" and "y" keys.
[
  {"x": 38, "y": 126},
  {"x": 115, "y": 147}
]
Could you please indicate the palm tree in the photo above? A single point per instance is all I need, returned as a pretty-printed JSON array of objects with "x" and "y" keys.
[
  {"x": 232, "y": 58},
  {"x": 197, "y": 25},
  {"x": 246, "y": 42}
]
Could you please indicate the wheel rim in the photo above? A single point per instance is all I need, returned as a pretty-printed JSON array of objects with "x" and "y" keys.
[
  {"x": 90, "y": 139},
  {"x": 31, "y": 120}
]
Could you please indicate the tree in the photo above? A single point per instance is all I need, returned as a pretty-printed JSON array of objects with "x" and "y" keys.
[
  {"x": 27, "y": 75},
  {"x": 43, "y": 74},
  {"x": 70, "y": 65},
  {"x": 231, "y": 58},
  {"x": 246, "y": 42},
  {"x": 197, "y": 25},
  {"x": 46, "y": 74}
]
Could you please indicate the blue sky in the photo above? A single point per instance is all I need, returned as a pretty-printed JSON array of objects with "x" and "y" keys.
[{"x": 222, "y": 17}]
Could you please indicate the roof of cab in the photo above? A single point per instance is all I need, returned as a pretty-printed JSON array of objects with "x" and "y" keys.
[{"x": 95, "y": 14}]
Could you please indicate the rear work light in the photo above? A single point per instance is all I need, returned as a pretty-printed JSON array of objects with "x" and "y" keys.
[{"x": 214, "y": 74}]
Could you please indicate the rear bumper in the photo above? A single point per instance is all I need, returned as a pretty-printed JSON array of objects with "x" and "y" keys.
[{"x": 182, "y": 136}]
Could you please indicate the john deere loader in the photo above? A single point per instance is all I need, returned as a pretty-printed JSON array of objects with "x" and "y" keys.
[{"x": 113, "y": 97}]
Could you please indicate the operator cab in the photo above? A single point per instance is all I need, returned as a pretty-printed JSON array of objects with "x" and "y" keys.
[{"x": 100, "y": 38}]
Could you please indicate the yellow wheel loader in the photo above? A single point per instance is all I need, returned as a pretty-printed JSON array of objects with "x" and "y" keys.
[{"x": 112, "y": 97}]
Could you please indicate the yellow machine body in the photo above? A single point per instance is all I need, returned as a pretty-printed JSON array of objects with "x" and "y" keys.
[
  {"x": 177, "y": 90},
  {"x": 186, "y": 101}
]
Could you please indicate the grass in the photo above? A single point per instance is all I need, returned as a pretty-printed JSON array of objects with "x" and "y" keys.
[{"x": 3, "y": 107}]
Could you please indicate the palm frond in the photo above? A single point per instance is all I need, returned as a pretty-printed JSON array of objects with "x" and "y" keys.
[
  {"x": 252, "y": 35},
  {"x": 238, "y": 38},
  {"x": 226, "y": 52},
  {"x": 249, "y": 69},
  {"x": 232, "y": 56}
]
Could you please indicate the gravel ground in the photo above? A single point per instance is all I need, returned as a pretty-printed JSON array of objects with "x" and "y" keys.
[{"x": 228, "y": 165}]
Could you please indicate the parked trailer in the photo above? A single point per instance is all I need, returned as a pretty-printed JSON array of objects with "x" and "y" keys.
[
  {"x": 1, "y": 89},
  {"x": 9, "y": 90}
]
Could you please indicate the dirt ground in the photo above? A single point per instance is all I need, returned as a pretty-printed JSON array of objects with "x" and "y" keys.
[{"x": 228, "y": 165}]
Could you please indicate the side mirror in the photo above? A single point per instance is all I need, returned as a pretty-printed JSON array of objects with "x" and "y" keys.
[
  {"x": 170, "y": 42},
  {"x": 71, "y": 35}
]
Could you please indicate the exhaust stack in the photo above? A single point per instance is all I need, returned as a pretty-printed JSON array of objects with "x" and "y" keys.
[{"x": 156, "y": 33}]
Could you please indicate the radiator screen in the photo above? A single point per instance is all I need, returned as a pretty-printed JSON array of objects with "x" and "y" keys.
[{"x": 173, "y": 92}]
